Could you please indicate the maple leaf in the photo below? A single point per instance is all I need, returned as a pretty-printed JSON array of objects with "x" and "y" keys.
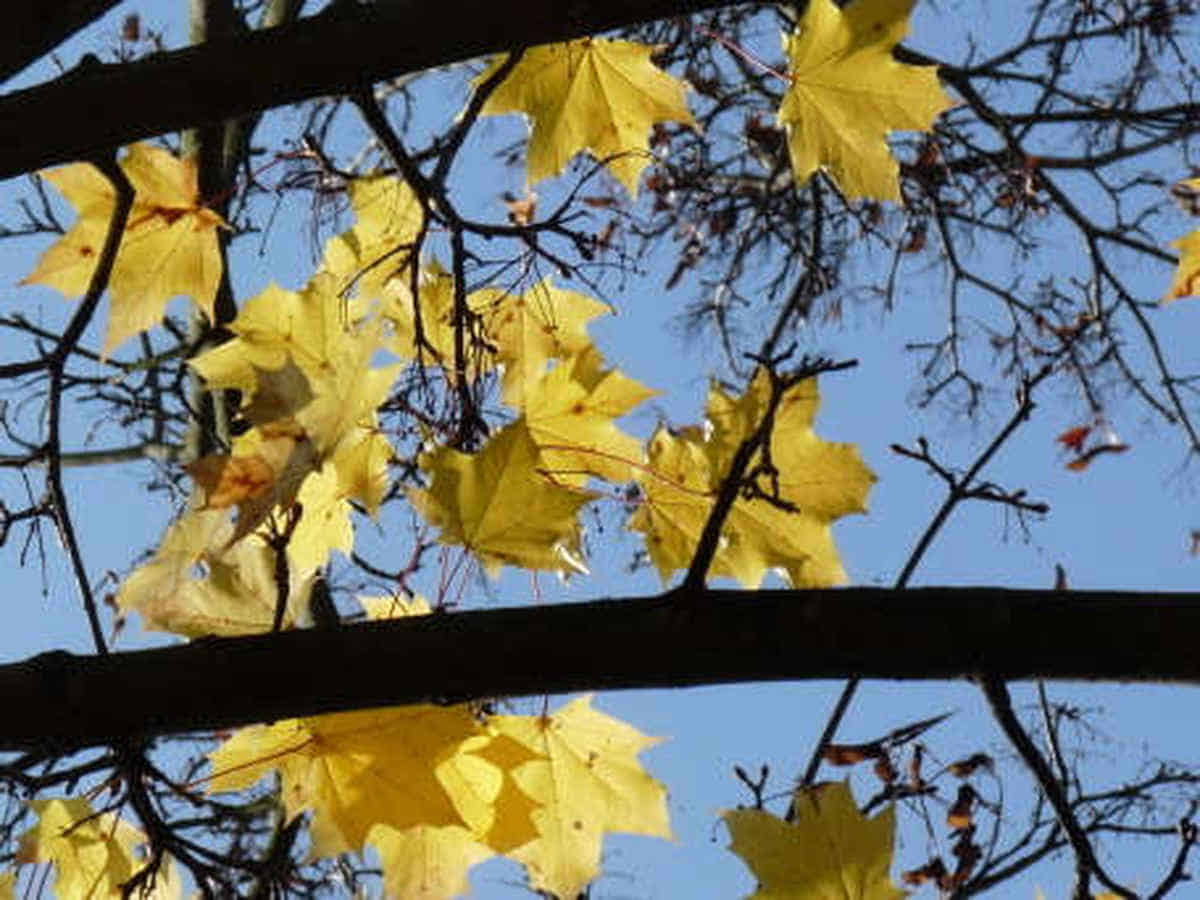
[
  {"x": 529, "y": 329},
  {"x": 828, "y": 851},
  {"x": 197, "y": 584},
  {"x": 313, "y": 328},
  {"x": 1186, "y": 282},
  {"x": 846, "y": 93},
  {"x": 432, "y": 862},
  {"x": 93, "y": 854},
  {"x": 169, "y": 246},
  {"x": 427, "y": 862},
  {"x": 376, "y": 253},
  {"x": 501, "y": 505},
  {"x": 817, "y": 482},
  {"x": 417, "y": 777},
  {"x": 435, "y": 293},
  {"x": 570, "y": 414},
  {"x": 303, "y": 363},
  {"x": 353, "y": 770},
  {"x": 587, "y": 782},
  {"x": 593, "y": 94}
]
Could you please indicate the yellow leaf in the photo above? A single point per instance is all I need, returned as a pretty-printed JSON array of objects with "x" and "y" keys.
[
  {"x": 314, "y": 329},
  {"x": 394, "y": 607},
  {"x": 499, "y": 504},
  {"x": 284, "y": 450},
  {"x": 529, "y": 329},
  {"x": 376, "y": 254},
  {"x": 352, "y": 770},
  {"x": 829, "y": 852},
  {"x": 570, "y": 413},
  {"x": 303, "y": 364},
  {"x": 1187, "y": 276},
  {"x": 819, "y": 480},
  {"x": 435, "y": 292},
  {"x": 592, "y": 94},
  {"x": 825, "y": 480},
  {"x": 847, "y": 93},
  {"x": 426, "y": 862},
  {"x": 361, "y": 460},
  {"x": 169, "y": 246},
  {"x": 93, "y": 854},
  {"x": 324, "y": 525},
  {"x": 234, "y": 595},
  {"x": 587, "y": 782}
]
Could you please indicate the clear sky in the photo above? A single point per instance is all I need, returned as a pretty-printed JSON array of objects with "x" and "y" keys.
[{"x": 1124, "y": 523}]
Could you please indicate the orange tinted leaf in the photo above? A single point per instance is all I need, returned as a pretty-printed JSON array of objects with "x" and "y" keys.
[
  {"x": 959, "y": 815},
  {"x": 1082, "y": 462},
  {"x": 934, "y": 871},
  {"x": 965, "y": 768},
  {"x": 1073, "y": 438},
  {"x": 850, "y": 754},
  {"x": 884, "y": 770},
  {"x": 228, "y": 480}
]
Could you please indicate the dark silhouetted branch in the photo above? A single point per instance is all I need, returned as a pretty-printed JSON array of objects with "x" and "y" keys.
[
  {"x": 678, "y": 639},
  {"x": 97, "y": 106}
]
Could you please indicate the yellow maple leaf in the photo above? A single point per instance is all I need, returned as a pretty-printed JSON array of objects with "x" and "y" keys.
[
  {"x": 587, "y": 782},
  {"x": 531, "y": 328},
  {"x": 433, "y": 861},
  {"x": 435, "y": 293},
  {"x": 819, "y": 480},
  {"x": 303, "y": 363},
  {"x": 593, "y": 94},
  {"x": 169, "y": 246},
  {"x": 427, "y": 862},
  {"x": 1186, "y": 282},
  {"x": 394, "y": 606},
  {"x": 376, "y": 253},
  {"x": 570, "y": 413},
  {"x": 847, "y": 92},
  {"x": 519, "y": 331},
  {"x": 427, "y": 766},
  {"x": 234, "y": 594},
  {"x": 312, "y": 328},
  {"x": 828, "y": 852},
  {"x": 501, "y": 505},
  {"x": 93, "y": 854}
]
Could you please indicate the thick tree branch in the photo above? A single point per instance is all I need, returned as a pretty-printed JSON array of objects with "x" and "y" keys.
[
  {"x": 32, "y": 28},
  {"x": 678, "y": 639},
  {"x": 104, "y": 106}
]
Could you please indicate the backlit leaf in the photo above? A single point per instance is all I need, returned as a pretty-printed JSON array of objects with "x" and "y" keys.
[
  {"x": 593, "y": 94},
  {"x": 847, "y": 93},
  {"x": 169, "y": 246},
  {"x": 828, "y": 852}
]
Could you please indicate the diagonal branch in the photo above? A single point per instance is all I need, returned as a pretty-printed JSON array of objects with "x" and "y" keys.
[
  {"x": 60, "y": 700},
  {"x": 332, "y": 53}
]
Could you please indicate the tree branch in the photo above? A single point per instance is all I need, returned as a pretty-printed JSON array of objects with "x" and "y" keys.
[
  {"x": 677, "y": 639},
  {"x": 32, "y": 28},
  {"x": 332, "y": 53}
]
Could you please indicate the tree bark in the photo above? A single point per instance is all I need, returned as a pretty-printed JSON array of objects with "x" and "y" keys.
[
  {"x": 98, "y": 106},
  {"x": 32, "y": 28},
  {"x": 677, "y": 639}
]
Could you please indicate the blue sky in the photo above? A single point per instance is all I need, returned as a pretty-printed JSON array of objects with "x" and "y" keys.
[{"x": 1124, "y": 523}]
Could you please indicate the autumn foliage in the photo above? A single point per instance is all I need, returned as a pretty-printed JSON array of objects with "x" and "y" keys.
[{"x": 436, "y": 789}]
